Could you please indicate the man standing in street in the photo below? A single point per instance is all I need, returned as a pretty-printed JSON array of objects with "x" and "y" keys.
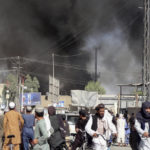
[
  {"x": 57, "y": 137},
  {"x": 40, "y": 134},
  {"x": 142, "y": 126},
  {"x": 13, "y": 123},
  {"x": 27, "y": 132},
  {"x": 99, "y": 127},
  {"x": 121, "y": 130},
  {"x": 80, "y": 127}
]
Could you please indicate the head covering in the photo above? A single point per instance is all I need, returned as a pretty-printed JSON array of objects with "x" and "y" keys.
[
  {"x": 121, "y": 116},
  {"x": 144, "y": 116},
  {"x": 63, "y": 117},
  {"x": 51, "y": 110},
  {"x": 39, "y": 109},
  {"x": 12, "y": 105},
  {"x": 82, "y": 113},
  {"x": 29, "y": 108}
]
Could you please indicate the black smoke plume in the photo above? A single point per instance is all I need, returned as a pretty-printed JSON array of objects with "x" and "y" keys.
[{"x": 37, "y": 28}]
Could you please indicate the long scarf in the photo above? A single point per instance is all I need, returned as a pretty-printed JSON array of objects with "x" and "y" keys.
[{"x": 143, "y": 116}]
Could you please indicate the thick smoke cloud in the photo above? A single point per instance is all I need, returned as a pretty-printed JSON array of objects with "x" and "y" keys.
[{"x": 37, "y": 28}]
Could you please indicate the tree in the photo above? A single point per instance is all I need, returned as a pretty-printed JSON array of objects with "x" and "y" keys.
[
  {"x": 36, "y": 84},
  {"x": 32, "y": 85},
  {"x": 28, "y": 83},
  {"x": 95, "y": 86},
  {"x": 139, "y": 93},
  {"x": 11, "y": 88}
]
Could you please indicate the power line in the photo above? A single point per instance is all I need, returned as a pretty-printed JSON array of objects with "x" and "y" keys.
[
  {"x": 56, "y": 64},
  {"x": 68, "y": 66},
  {"x": 3, "y": 71},
  {"x": 79, "y": 82},
  {"x": 79, "y": 54}
]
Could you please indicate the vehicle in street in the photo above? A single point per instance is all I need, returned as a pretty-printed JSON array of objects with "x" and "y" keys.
[{"x": 72, "y": 120}]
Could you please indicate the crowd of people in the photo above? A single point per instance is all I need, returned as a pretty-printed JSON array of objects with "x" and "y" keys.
[{"x": 45, "y": 130}]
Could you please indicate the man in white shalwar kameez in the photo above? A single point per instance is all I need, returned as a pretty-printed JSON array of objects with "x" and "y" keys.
[
  {"x": 121, "y": 129},
  {"x": 99, "y": 127},
  {"x": 48, "y": 123},
  {"x": 142, "y": 126}
]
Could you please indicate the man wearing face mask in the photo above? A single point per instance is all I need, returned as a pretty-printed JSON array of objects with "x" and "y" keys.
[
  {"x": 99, "y": 127},
  {"x": 142, "y": 126}
]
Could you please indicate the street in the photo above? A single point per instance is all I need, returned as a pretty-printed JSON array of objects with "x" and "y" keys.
[{"x": 120, "y": 148}]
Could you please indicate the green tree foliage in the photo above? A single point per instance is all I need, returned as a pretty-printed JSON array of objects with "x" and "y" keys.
[
  {"x": 95, "y": 86},
  {"x": 32, "y": 85},
  {"x": 4, "y": 94},
  {"x": 11, "y": 88},
  {"x": 36, "y": 84},
  {"x": 28, "y": 83},
  {"x": 139, "y": 93}
]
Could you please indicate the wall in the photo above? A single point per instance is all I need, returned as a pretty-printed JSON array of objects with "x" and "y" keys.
[{"x": 65, "y": 98}]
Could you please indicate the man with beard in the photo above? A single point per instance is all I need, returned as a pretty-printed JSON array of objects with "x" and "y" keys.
[
  {"x": 99, "y": 127},
  {"x": 142, "y": 126},
  {"x": 80, "y": 126}
]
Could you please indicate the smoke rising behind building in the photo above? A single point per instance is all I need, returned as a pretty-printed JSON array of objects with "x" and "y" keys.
[{"x": 37, "y": 28}]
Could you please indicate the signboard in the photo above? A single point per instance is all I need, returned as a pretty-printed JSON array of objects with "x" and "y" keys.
[
  {"x": 53, "y": 89},
  {"x": 59, "y": 104},
  {"x": 3, "y": 106},
  {"x": 84, "y": 98},
  {"x": 31, "y": 98}
]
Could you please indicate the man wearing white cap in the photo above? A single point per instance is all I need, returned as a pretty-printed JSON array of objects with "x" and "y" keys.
[
  {"x": 13, "y": 123},
  {"x": 40, "y": 134},
  {"x": 27, "y": 131}
]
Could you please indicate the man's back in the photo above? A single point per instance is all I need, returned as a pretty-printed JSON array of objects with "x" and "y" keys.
[
  {"x": 56, "y": 138},
  {"x": 29, "y": 120},
  {"x": 13, "y": 123}
]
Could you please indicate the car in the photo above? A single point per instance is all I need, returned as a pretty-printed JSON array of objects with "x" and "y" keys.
[{"x": 72, "y": 119}]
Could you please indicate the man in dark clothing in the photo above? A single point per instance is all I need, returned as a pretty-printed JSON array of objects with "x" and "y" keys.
[
  {"x": 1, "y": 129},
  {"x": 27, "y": 132},
  {"x": 66, "y": 126},
  {"x": 57, "y": 137},
  {"x": 80, "y": 126},
  {"x": 134, "y": 137}
]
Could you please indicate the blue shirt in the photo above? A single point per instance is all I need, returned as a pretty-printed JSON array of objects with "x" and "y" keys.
[{"x": 29, "y": 120}]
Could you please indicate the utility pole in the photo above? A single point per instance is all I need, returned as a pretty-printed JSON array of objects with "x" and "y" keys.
[
  {"x": 95, "y": 64},
  {"x": 53, "y": 58},
  {"x": 19, "y": 84},
  {"x": 146, "y": 51},
  {"x": 17, "y": 99}
]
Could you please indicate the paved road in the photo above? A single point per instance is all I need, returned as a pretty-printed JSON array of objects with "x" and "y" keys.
[{"x": 120, "y": 148}]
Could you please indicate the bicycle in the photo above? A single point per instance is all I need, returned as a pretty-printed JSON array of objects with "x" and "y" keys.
[
  {"x": 10, "y": 137},
  {"x": 62, "y": 146},
  {"x": 84, "y": 145},
  {"x": 107, "y": 141}
]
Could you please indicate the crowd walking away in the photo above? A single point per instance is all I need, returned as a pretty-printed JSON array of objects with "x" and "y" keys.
[{"x": 40, "y": 128}]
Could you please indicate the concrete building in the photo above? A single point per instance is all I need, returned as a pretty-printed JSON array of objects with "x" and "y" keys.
[
  {"x": 62, "y": 98},
  {"x": 112, "y": 102}
]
